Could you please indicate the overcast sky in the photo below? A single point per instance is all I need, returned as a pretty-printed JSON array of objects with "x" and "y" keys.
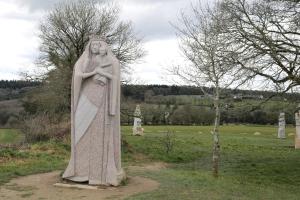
[{"x": 19, "y": 43}]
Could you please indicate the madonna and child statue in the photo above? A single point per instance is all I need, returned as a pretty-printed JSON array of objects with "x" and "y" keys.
[{"x": 95, "y": 117}]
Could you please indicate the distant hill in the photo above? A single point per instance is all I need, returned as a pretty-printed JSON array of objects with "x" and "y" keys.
[
  {"x": 11, "y": 89},
  {"x": 177, "y": 105},
  {"x": 15, "y": 89},
  {"x": 17, "y": 84},
  {"x": 11, "y": 93},
  {"x": 138, "y": 92}
]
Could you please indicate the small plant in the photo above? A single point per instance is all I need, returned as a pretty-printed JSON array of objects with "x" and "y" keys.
[
  {"x": 125, "y": 146},
  {"x": 168, "y": 141},
  {"x": 35, "y": 128},
  {"x": 125, "y": 181}
]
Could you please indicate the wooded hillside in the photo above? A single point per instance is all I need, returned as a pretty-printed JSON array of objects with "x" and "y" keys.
[{"x": 162, "y": 104}]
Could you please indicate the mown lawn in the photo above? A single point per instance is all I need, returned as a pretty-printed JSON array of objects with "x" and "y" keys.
[{"x": 254, "y": 163}]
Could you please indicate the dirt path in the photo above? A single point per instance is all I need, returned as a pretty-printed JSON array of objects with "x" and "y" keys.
[
  {"x": 40, "y": 187},
  {"x": 156, "y": 166}
]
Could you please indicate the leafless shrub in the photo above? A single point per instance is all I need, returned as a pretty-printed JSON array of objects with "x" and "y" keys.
[
  {"x": 40, "y": 127},
  {"x": 168, "y": 141}
]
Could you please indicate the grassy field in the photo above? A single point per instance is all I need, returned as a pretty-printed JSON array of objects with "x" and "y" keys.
[
  {"x": 9, "y": 136},
  {"x": 254, "y": 163}
]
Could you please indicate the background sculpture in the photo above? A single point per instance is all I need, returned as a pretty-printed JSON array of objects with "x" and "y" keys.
[
  {"x": 137, "y": 124},
  {"x": 95, "y": 117},
  {"x": 297, "y": 135},
  {"x": 281, "y": 126}
]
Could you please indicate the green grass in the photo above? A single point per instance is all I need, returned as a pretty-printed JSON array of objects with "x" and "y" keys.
[
  {"x": 9, "y": 136},
  {"x": 251, "y": 167},
  {"x": 39, "y": 158}
]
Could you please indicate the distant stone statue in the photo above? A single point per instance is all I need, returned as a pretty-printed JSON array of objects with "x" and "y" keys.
[
  {"x": 137, "y": 124},
  {"x": 281, "y": 126},
  {"x": 167, "y": 115},
  {"x": 297, "y": 135},
  {"x": 95, "y": 117}
]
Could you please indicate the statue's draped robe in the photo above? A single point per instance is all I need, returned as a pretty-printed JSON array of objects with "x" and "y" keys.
[{"x": 95, "y": 126}]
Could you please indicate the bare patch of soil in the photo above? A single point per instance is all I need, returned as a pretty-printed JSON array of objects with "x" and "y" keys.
[
  {"x": 149, "y": 167},
  {"x": 41, "y": 187}
]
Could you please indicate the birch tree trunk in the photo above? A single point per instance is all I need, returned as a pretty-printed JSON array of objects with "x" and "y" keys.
[
  {"x": 216, "y": 141},
  {"x": 207, "y": 50}
]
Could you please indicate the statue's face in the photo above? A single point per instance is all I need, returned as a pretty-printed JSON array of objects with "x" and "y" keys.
[
  {"x": 102, "y": 49},
  {"x": 95, "y": 47}
]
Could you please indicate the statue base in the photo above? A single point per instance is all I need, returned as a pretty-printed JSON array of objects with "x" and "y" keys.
[
  {"x": 138, "y": 131},
  {"x": 77, "y": 186},
  {"x": 85, "y": 181}
]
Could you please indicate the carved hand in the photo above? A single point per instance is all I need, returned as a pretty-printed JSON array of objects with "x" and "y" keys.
[
  {"x": 103, "y": 73},
  {"x": 99, "y": 70},
  {"x": 88, "y": 74}
]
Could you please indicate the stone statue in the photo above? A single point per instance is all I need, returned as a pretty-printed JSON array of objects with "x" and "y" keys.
[
  {"x": 137, "y": 124},
  {"x": 281, "y": 126},
  {"x": 95, "y": 117},
  {"x": 297, "y": 135},
  {"x": 167, "y": 115}
]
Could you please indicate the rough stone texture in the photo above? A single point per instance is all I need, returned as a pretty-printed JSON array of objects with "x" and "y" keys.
[
  {"x": 95, "y": 118},
  {"x": 297, "y": 135},
  {"x": 137, "y": 125},
  {"x": 281, "y": 126}
]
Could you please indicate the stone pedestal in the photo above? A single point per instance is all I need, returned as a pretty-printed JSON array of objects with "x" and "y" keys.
[
  {"x": 137, "y": 124},
  {"x": 297, "y": 135},
  {"x": 281, "y": 126}
]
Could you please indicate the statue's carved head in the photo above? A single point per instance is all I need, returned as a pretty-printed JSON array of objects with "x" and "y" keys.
[
  {"x": 98, "y": 45},
  {"x": 95, "y": 47}
]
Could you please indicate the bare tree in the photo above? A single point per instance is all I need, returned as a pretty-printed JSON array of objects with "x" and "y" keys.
[
  {"x": 205, "y": 48},
  {"x": 266, "y": 34},
  {"x": 65, "y": 31}
]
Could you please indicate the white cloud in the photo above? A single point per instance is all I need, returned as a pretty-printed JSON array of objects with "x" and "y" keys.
[
  {"x": 162, "y": 54},
  {"x": 18, "y": 42},
  {"x": 153, "y": 19}
]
